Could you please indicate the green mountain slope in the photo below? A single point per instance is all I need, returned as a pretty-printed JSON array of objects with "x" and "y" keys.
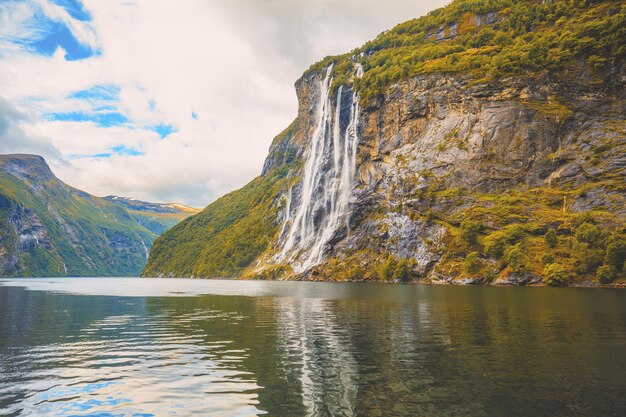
[
  {"x": 156, "y": 217},
  {"x": 491, "y": 149},
  {"x": 50, "y": 229},
  {"x": 228, "y": 234}
]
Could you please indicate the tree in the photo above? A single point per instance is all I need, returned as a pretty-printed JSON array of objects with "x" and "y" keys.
[
  {"x": 497, "y": 242},
  {"x": 469, "y": 231},
  {"x": 556, "y": 275},
  {"x": 387, "y": 268},
  {"x": 606, "y": 274},
  {"x": 516, "y": 259},
  {"x": 590, "y": 234},
  {"x": 587, "y": 260},
  {"x": 551, "y": 239},
  {"x": 401, "y": 271},
  {"x": 472, "y": 263},
  {"x": 616, "y": 252}
]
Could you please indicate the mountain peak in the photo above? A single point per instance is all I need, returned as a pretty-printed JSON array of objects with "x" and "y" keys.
[{"x": 25, "y": 166}]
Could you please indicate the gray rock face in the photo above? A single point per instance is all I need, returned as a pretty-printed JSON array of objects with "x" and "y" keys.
[
  {"x": 518, "y": 279},
  {"x": 397, "y": 234},
  {"x": 445, "y": 133}
]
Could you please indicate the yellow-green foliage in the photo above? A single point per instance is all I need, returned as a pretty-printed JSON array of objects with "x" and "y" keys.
[
  {"x": 540, "y": 232},
  {"x": 365, "y": 265},
  {"x": 606, "y": 274},
  {"x": 229, "y": 234},
  {"x": 551, "y": 239},
  {"x": 552, "y": 108},
  {"x": 528, "y": 37},
  {"x": 470, "y": 230},
  {"x": 556, "y": 275},
  {"x": 224, "y": 239},
  {"x": 472, "y": 263}
]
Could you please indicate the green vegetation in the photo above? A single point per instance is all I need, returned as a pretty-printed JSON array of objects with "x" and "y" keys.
[
  {"x": 516, "y": 258},
  {"x": 526, "y": 37},
  {"x": 551, "y": 239},
  {"x": 616, "y": 252},
  {"x": 365, "y": 265},
  {"x": 526, "y": 232},
  {"x": 50, "y": 229},
  {"x": 394, "y": 269},
  {"x": 472, "y": 264},
  {"x": 497, "y": 242},
  {"x": 223, "y": 239},
  {"x": 228, "y": 235},
  {"x": 556, "y": 275},
  {"x": 469, "y": 231},
  {"x": 606, "y": 274},
  {"x": 402, "y": 271}
]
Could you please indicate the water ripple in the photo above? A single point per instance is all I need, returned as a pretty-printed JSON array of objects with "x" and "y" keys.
[{"x": 301, "y": 351}]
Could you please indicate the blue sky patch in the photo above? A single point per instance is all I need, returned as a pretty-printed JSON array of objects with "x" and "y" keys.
[
  {"x": 76, "y": 9},
  {"x": 125, "y": 150},
  {"x": 102, "y": 98},
  {"x": 98, "y": 92},
  {"x": 58, "y": 35},
  {"x": 109, "y": 119},
  {"x": 103, "y": 155},
  {"x": 162, "y": 130},
  {"x": 122, "y": 150},
  {"x": 104, "y": 102}
]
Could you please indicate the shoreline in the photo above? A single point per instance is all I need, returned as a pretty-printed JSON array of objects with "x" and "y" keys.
[{"x": 461, "y": 283}]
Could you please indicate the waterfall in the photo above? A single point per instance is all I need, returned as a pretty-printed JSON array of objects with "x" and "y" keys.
[{"x": 327, "y": 179}]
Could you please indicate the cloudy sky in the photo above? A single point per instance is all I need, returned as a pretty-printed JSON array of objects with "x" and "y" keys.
[{"x": 166, "y": 100}]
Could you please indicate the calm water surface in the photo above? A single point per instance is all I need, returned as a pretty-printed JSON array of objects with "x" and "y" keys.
[{"x": 131, "y": 347}]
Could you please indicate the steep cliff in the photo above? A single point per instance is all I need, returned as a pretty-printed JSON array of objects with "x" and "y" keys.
[
  {"x": 483, "y": 143},
  {"x": 50, "y": 229}
]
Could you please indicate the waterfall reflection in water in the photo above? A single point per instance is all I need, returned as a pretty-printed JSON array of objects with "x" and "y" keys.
[{"x": 298, "y": 349}]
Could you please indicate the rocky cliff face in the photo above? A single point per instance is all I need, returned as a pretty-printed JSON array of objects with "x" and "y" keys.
[
  {"x": 435, "y": 149},
  {"x": 51, "y": 229},
  {"x": 441, "y": 177}
]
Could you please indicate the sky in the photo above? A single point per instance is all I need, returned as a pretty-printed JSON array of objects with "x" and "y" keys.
[{"x": 167, "y": 100}]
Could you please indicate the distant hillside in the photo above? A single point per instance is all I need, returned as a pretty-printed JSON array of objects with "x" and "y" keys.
[
  {"x": 48, "y": 228},
  {"x": 156, "y": 217}
]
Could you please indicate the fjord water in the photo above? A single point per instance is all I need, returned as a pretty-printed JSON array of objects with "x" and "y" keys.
[{"x": 84, "y": 347}]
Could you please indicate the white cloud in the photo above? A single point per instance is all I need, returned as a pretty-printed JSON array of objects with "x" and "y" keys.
[
  {"x": 13, "y": 138},
  {"x": 233, "y": 63}
]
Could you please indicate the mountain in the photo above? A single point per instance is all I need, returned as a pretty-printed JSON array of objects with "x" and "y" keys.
[
  {"x": 48, "y": 228},
  {"x": 156, "y": 217},
  {"x": 482, "y": 143}
]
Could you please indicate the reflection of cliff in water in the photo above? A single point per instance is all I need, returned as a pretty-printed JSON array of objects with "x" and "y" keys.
[{"x": 369, "y": 350}]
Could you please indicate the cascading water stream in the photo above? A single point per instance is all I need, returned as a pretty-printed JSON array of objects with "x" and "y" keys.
[{"x": 327, "y": 180}]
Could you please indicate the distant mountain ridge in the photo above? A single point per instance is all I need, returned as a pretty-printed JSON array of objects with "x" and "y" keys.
[
  {"x": 48, "y": 228},
  {"x": 156, "y": 217}
]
